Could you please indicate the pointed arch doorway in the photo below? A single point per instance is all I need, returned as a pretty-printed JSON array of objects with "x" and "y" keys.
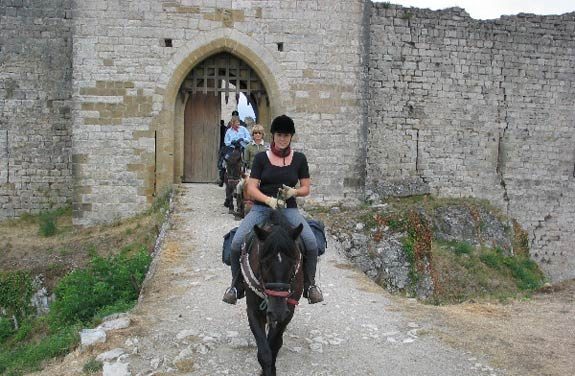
[{"x": 218, "y": 77}]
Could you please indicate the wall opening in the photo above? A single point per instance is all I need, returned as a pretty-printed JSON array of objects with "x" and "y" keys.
[{"x": 212, "y": 90}]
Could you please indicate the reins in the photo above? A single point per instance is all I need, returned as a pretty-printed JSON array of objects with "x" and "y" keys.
[{"x": 270, "y": 289}]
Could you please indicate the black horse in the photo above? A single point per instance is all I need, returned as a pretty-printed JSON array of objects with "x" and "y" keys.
[
  {"x": 272, "y": 271},
  {"x": 233, "y": 174}
]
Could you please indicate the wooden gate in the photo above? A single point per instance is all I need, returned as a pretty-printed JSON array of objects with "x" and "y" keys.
[
  {"x": 201, "y": 138},
  {"x": 218, "y": 76}
]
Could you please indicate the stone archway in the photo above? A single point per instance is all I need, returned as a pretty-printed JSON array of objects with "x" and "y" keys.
[
  {"x": 220, "y": 77},
  {"x": 169, "y": 100}
]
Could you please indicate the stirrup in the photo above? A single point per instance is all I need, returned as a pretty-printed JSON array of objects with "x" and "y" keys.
[
  {"x": 230, "y": 296},
  {"x": 314, "y": 295}
]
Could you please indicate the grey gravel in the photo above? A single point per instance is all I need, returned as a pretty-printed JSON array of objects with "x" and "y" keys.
[{"x": 181, "y": 326}]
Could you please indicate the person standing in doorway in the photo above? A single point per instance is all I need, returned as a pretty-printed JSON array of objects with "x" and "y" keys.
[
  {"x": 222, "y": 152},
  {"x": 223, "y": 130}
]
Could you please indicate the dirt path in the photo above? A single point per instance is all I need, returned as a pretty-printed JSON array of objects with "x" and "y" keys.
[{"x": 182, "y": 327}]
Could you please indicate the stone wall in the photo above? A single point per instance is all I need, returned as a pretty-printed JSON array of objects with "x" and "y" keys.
[
  {"x": 462, "y": 107},
  {"x": 124, "y": 74},
  {"x": 392, "y": 100},
  {"x": 35, "y": 92}
]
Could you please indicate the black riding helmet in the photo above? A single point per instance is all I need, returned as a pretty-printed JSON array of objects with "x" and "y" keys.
[{"x": 283, "y": 124}]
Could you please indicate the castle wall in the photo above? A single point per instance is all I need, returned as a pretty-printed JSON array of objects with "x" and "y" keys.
[
  {"x": 122, "y": 73},
  {"x": 392, "y": 100},
  {"x": 462, "y": 107},
  {"x": 35, "y": 93}
]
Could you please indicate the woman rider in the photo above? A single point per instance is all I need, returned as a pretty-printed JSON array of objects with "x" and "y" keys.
[{"x": 278, "y": 168}]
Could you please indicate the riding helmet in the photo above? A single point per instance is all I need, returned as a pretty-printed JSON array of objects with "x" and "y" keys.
[{"x": 283, "y": 124}]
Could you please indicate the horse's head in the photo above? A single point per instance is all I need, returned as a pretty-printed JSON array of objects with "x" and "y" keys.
[{"x": 280, "y": 262}]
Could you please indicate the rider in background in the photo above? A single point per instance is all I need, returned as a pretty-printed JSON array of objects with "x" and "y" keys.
[
  {"x": 257, "y": 145},
  {"x": 280, "y": 168},
  {"x": 237, "y": 132}
]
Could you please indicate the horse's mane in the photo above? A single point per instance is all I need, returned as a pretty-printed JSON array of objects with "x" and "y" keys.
[{"x": 279, "y": 240}]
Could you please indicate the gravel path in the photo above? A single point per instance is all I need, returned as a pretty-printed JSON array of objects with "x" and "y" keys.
[{"x": 182, "y": 326}]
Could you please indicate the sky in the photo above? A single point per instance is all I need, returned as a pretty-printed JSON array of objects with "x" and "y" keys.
[
  {"x": 244, "y": 108},
  {"x": 489, "y": 9}
]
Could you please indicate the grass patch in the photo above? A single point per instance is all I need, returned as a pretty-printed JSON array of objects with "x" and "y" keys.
[
  {"x": 462, "y": 248},
  {"x": 92, "y": 366},
  {"x": 27, "y": 357},
  {"x": 482, "y": 273},
  {"x": 524, "y": 271}
]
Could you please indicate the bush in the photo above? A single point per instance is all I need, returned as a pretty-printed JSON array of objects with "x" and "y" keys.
[
  {"x": 47, "y": 223},
  {"x": 92, "y": 366},
  {"x": 6, "y": 329},
  {"x": 462, "y": 248},
  {"x": 106, "y": 282},
  {"x": 15, "y": 294}
]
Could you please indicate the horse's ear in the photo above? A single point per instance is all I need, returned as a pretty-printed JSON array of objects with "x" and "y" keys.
[
  {"x": 296, "y": 231},
  {"x": 261, "y": 233}
]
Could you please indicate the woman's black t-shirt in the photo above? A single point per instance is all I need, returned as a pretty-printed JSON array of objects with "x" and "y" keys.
[{"x": 273, "y": 177}]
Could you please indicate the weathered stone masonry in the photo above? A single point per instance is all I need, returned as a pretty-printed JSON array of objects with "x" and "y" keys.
[
  {"x": 126, "y": 85},
  {"x": 387, "y": 101},
  {"x": 35, "y": 106},
  {"x": 462, "y": 107}
]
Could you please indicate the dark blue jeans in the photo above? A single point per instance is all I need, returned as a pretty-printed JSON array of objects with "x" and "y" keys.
[{"x": 257, "y": 216}]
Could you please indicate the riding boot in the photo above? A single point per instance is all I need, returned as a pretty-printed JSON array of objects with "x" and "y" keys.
[
  {"x": 310, "y": 290},
  {"x": 221, "y": 178},
  {"x": 236, "y": 290}
]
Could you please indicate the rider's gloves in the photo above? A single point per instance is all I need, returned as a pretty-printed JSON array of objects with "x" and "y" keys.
[
  {"x": 288, "y": 192},
  {"x": 273, "y": 202}
]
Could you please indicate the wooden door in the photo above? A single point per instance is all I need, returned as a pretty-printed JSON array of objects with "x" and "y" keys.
[{"x": 201, "y": 138}]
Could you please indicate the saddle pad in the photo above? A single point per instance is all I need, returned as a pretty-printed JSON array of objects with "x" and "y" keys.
[
  {"x": 227, "y": 246},
  {"x": 318, "y": 229}
]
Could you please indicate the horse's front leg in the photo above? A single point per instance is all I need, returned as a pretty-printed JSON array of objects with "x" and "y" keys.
[
  {"x": 275, "y": 339},
  {"x": 258, "y": 326}
]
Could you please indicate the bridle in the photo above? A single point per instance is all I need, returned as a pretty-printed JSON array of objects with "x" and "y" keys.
[{"x": 270, "y": 289}]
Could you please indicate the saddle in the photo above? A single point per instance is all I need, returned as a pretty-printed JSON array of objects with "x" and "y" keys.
[{"x": 317, "y": 227}]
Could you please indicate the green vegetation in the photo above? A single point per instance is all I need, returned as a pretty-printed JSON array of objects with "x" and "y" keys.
[
  {"x": 107, "y": 284},
  {"x": 462, "y": 248},
  {"x": 92, "y": 366},
  {"x": 482, "y": 273},
  {"x": 115, "y": 281},
  {"x": 82, "y": 297},
  {"x": 459, "y": 270},
  {"x": 48, "y": 221},
  {"x": 407, "y": 15},
  {"x": 524, "y": 271},
  {"x": 15, "y": 294}
]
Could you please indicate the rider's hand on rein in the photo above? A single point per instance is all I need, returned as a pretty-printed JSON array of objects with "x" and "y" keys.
[
  {"x": 288, "y": 192},
  {"x": 276, "y": 203}
]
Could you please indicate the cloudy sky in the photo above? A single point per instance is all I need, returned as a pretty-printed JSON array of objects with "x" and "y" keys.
[{"x": 488, "y": 9}]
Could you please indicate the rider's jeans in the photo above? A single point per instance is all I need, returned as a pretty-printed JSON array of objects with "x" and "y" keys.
[{"x": 257, "y": 216}]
